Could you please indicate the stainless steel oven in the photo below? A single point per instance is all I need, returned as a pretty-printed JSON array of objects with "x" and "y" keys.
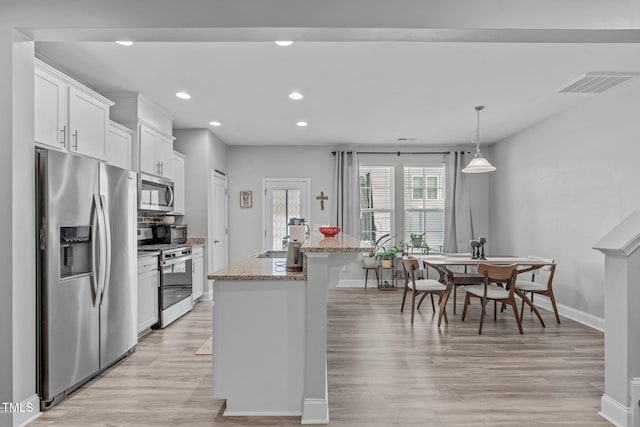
[
  {"x": 155, "y": 193},
  {"x": 176, "y": 284}
]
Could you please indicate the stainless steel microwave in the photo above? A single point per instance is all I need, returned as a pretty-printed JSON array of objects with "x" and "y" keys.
[{"x": 155, "y": 193}]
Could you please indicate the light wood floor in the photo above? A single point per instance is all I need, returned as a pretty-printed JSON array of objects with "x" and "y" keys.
[{"x": 382, "y": 372}]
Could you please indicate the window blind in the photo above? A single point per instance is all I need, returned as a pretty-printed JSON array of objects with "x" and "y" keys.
[
  {"x": 424, "y": 190},
  {"x": 376, "y": 202}
]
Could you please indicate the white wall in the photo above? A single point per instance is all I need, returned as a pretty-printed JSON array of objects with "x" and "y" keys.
[
  {"x": 563, "y": 184},
  {"x": 248, "y": 165},
  {"x": 204, "y": 153}
]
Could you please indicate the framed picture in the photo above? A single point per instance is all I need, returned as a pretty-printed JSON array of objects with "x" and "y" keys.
[{"x": 246, "y": 199}]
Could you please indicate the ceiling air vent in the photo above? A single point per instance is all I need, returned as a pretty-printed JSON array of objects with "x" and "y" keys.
[{"x": 596, "y": 82}]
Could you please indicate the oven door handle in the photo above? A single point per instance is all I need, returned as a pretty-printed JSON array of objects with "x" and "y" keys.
[{"x": 178, "y": 260}]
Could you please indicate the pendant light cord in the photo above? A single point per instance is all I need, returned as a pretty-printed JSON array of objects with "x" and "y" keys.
[{"x": 476, "y": 138}]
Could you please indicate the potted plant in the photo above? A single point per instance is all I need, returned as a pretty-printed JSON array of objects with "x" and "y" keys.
[
  {"x": 369, "y": 259},
  {"x": 388, "y": 256},
  {"x": 417, "y": 239},
  {"x": 426, "y": 248}
]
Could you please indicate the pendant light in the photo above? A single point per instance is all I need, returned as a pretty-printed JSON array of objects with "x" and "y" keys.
[{"x": 478, "y": 164}]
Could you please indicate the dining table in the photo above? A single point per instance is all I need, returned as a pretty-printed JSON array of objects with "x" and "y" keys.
[{"x": 447, "y": 261}]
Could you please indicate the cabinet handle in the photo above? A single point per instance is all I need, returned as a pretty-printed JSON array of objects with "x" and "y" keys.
[
  {"x": 162, "y": 168},
  {"x": 158, "y": 168},
  {"x": 63, "y": 135},
  {"x": 75, "y": 141}
]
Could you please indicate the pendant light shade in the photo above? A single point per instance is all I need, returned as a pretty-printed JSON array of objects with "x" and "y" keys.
[{"x": 478, "y": 164}]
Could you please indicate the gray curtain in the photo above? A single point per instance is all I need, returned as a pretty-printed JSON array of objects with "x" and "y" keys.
[
  {"x": 346, "y": 190},
  {"x": 458, "y": 222}
]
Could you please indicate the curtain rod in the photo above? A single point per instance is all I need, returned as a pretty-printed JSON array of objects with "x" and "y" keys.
[{"x": 398, "y": 152}]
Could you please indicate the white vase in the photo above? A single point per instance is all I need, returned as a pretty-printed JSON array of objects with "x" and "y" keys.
[{"x": 369, "y": 261}]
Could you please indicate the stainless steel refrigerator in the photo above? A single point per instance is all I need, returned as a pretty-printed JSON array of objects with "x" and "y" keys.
[{"x": 87, "y": 296}]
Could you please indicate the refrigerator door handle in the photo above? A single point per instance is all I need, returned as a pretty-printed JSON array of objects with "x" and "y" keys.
[
  {"x": 98, "y": 274},
  {"x": 107, "y": 253}
]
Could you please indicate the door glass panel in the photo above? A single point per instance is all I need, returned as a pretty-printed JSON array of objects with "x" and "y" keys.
[{"x": 286, "y": 204}]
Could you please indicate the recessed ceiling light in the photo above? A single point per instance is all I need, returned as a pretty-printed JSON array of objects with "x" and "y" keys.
[
  {"x": 125, "y": 42},
  {"x": 183, "y": 95},
  {"x": 295, "y": 96},
  {"x": 302, "y": 124},
  {"x": 214, "y": 123},
  {"x": 284, "y": 42}
]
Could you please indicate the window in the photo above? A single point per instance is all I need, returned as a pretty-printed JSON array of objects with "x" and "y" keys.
[
  {"x": 376, "y": 201},
  {"x": 424, "y": 203}
]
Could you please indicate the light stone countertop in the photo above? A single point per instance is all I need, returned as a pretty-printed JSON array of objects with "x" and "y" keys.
[
  {"x": 257, "y": 269},
  {"x": 340, "y": 243},
  {"x": 195, "y": 241},
  {"x": 144, "y": 254},
  {"x": 253, "y": 268}
]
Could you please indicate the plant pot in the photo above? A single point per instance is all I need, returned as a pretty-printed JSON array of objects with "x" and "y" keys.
[
  {"x": 416, "y": 242},
  {"x": 386, "y": 263},
  {"x": 369, "y": 261}
]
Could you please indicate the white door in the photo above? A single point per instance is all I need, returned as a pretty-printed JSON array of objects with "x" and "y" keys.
[
  {"x": 218, "y": 252},
  {"x": 284, "y": 199}
]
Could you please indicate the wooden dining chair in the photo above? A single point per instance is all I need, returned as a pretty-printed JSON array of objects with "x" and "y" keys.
[
  {"x": 462, "y": 278},
  {"x": 420, "y": 286},
  {"x": 541, "y": 287},
  {"x": 491, "y": 292}
]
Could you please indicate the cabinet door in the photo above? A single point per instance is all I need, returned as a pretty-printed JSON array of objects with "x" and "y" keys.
[
  {"x": 119, "y": 147},
  {"x": 50, "y": 110},
  {"x": 179, "y": 184},
  {"x": 164, "y": 155},
  {"x": 88, "y": 119},
  {"x": 198, "y": 277},
  {"x": 148, "y": 161},
  {"x": 147, "y": 299}
]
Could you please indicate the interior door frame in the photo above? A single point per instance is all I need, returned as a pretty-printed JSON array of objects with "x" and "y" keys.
[
  {"x": 306, "y": 181},
  {"x": 216, "y": 175}
]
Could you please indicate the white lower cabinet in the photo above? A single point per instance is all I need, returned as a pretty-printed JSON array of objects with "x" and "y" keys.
[
  {"x": 148, "y": 284},
  {"x": 198, "y": 271}
]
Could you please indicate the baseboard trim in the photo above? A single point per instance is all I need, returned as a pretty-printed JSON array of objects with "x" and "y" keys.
[
  {"x": 315, "y": 411},
  {"x": 571, "y": 313},
  {"x": 612, "y": 411},
  {"x": 260, "y": 414},
  {"x": 20, "y": 419}
]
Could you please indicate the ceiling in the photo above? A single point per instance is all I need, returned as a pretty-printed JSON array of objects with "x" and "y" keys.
[{"x": 366, "y": 93}]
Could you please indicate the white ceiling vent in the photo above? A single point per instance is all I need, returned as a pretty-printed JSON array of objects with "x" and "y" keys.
[{"x": 596, "y": 82}]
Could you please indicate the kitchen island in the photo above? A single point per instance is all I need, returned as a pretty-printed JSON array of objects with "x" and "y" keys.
[{"x": 270, "y": 331}]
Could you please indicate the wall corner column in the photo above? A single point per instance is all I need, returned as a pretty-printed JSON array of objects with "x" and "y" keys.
[{"x": 619, "y": 403}]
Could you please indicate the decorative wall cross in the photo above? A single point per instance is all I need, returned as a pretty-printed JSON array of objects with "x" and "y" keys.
[{"x": 322, "y": 198}]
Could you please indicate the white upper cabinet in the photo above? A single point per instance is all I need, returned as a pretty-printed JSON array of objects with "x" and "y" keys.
[
  {"x": 152, "y": 148},
  {"x": 164, "y": 152},
  {"x": 178, "y": 183},
  {"x": 88, "y": 123},
  {"x": 50, "y": 109},
  {"x": 68, "y": 115},
  {"x": 119, "y": 145},
  {"x": 156, "y": 152}
]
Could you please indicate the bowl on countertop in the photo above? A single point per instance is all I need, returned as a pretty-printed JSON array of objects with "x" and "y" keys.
[
  {"x": 329, "y": 231},
  {"x": 169, "y": 220}
]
